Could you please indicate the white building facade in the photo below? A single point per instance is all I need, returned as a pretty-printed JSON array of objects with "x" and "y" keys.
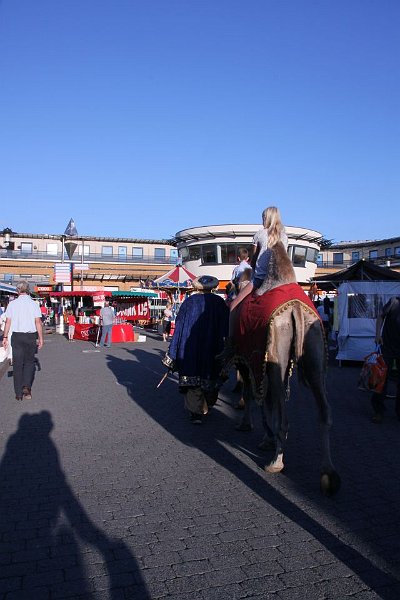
[{"x": 213, "y": 249}]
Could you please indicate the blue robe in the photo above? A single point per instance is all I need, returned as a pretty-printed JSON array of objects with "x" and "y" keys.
[{"x": 200, "y": 328}]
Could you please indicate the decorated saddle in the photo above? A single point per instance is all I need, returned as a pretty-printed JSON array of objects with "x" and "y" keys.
[{"x": 251, "y": 326}]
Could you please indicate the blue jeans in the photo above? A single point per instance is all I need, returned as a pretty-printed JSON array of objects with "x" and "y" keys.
[{"x": 106, "y": 333}]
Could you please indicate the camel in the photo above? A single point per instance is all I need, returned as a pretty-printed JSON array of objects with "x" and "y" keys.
[{"x": 275, "y": 328}]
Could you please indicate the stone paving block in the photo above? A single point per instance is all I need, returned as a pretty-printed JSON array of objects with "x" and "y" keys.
[
  {"x": 70, "y": 589},
  {"x": 18, "y": 569},
  {"x": 338, "y": 588},
  {"x": 30, "y": 555},
  {"x": 304, "y": 577},
  {"x": 262, "y": 586},
  {"x": 262, "y": 555},
  {"x": 119, "y": 580},
  {"x": 301, "y": 592},
  {"x": 180, "y": 585},
  {"x": 194, "y": 567},
  {"x": 226, "y": 561},
  {"x": 32, "y": 594},
  {"x": 57, "y": 563},
  {"x": 46, "y": 578},
  {"x": 366, "y": 595},
  {"x": 262, "y": 569},
  {"x": 10, "y": 584},
  {"x": 228, "y": 592}
]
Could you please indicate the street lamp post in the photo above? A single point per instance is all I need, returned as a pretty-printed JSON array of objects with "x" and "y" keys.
[{"x": 69, "y": 247}]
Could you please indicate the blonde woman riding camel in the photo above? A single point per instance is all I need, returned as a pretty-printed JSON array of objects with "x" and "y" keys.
[{"x": 273, "y": 231}]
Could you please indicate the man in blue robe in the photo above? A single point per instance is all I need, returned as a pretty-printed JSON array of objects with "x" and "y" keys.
[{"x": 200, "y": 329}]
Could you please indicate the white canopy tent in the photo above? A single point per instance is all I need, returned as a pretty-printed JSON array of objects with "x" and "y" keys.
[{"x": 359, "y": 303}]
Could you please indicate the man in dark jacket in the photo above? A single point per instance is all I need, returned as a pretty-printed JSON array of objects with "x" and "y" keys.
[
  {"x": 200, "y": 328},
  {"x": 389, "y": 339}
]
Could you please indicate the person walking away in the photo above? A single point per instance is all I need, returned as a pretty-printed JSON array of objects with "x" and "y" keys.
[
  {"x": 107, "y": 318},
  {"x": 43, "y": 310},
  {"x": 24, "y": 317},
  {"x": 324, "y": 311},
  {"x": 167, "y": 320},
  {"x": 71, "y": 325},
  {"x": 388, "y": 337},
  {"x": 200, "y": 329}
]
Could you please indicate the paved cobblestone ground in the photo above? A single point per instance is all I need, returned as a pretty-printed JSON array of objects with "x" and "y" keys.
[{"x": 107, "y": 492}]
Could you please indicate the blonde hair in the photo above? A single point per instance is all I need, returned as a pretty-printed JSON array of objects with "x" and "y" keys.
[
  {"x": 271, "y": 218},
  {"x": 22, "y": 287}
]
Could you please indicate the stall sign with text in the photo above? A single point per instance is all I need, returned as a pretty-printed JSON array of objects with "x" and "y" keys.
[{"x": 138, "y": 310}]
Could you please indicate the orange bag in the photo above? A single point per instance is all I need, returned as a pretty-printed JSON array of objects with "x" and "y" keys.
[{"x": 373, "y": 373}]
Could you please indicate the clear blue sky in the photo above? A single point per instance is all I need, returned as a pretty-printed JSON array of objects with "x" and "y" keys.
[{"x": 139, "y": 118}]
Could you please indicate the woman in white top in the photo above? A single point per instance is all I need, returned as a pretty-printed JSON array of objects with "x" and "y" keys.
[
  {"x": 167, "y": 318},
  {"x": 272, "y": 232}
]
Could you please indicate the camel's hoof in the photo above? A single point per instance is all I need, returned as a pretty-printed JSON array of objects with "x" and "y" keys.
[
  {"x": 275, "y": 466},
  {"x": 244, "y": 427},
  {"x": 330, "y": 483}
]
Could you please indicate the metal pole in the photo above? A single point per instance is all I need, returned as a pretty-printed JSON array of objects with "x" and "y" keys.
[
  {"x": 61, "y": 316},
  {"x": 83, "y": 250}
]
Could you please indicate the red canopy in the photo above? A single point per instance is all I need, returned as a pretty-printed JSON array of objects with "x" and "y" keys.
[
  {"x": 107, "y": 293},
  {"x": 179, "y": 277}
]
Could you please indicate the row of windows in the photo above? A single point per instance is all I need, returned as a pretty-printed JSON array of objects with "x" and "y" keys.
[
  {"x": 338, "y": 257},
  {"x": 121, "y": 251},
  {"x": 226, "y": 254}
]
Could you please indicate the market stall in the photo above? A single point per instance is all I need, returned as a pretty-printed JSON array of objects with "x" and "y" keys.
[
  {"x": 176, "y": 283},
  {"x": 130, "y": 308},
  {"x": 362, "y": 290}
]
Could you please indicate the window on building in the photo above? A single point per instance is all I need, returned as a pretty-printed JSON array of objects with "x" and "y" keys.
[
  {"x": 86, "y": 250},
  {"x": 355, "y": 256},
  {"x": 159, "y": 252},
  {"x": 122, "y": 252},
  {"x": 338, "y": 258},
  {"x": 373, "y": 254},
  {"x": 388, "y": 251},
  {"x": 312, "y": 255},
  {"x": 173, "y": 253},
  {"x": 229, "y": 253},
  {"x": 320, "y": 258},
  {"x": 184, "y": 253},
  {"x": 107, "y": 250},
  {"x": 299, "y": 256},
  {"x": 397, "y": 251},
  {"x": 209, "y": 254},
  {"x": 26, "y": 247},
  {"x": 52, "y": 249},
  {"x": 194, "y": 252},
  {"x": 137, "y": 252}
]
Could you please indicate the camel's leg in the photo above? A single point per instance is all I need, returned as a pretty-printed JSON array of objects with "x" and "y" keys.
[
  {"x": 277, "y": 415},
  {"x": 313, "y": 365},
  {"x": 270, "y": 419},
  {"x": 279, "y": 354}
]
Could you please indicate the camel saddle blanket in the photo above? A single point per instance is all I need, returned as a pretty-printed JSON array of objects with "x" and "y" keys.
[{"x": 250, "y": 329}]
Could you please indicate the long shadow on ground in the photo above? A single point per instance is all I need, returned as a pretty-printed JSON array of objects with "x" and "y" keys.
[
  {"x": 376, "y": 570},
  {"x": 41, "y": 521}
]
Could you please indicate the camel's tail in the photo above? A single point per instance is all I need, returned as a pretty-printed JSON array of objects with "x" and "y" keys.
[{"x": 299, "y": 331}]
